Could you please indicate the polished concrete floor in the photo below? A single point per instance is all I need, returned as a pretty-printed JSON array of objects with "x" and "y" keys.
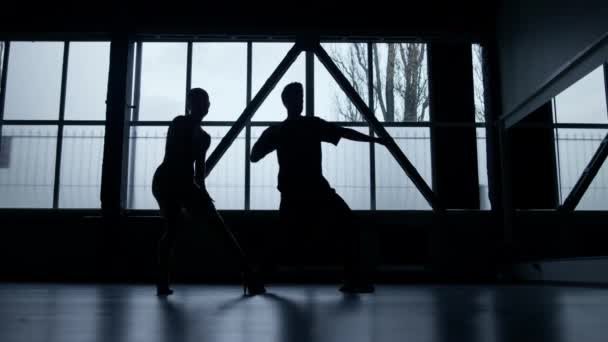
[{"x": 54, "y": 312}]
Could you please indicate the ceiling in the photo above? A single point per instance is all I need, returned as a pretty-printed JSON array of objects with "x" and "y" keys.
[{"x": 379, "y": 18}]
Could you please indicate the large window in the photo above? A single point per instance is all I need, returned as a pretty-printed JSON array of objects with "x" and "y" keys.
[
  {"x": 53, "y": 124},
  {"x": 584, "y": 102},
  {"x": 53, "y": 119},
  {"x": 365, "y": 175}
]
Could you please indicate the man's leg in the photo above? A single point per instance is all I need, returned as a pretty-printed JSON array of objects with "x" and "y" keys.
[
  {"x": 296, "y": 218},
  {"x": 344, "y": 221}
]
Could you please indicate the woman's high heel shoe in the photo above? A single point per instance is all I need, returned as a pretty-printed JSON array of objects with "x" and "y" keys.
[{"x": 252, "y": 284}]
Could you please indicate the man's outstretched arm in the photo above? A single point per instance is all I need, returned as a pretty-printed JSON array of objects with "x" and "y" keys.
[
  {"x": 352, "y": 134},
  {"x": 262, "y": 147}
]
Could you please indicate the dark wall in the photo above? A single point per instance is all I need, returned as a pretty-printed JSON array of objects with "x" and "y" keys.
[
  {"x": 537, "y": 37},
  {"x": 533, "y": 162},
  {"x": 454, "y": 149},
  {"x": 413, "y": 19},
  {"x": 72, "y": 246},
  {"x": 76, "y": 246}
]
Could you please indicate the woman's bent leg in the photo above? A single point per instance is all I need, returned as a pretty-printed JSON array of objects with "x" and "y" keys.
[
  {"x": 170, "y": 214},
  {"x": 166, "y": 246},
  {"x": 201, "y": 207}
]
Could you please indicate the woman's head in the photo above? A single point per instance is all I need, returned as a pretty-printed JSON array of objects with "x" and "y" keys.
[{"x": 197, "y": 103}]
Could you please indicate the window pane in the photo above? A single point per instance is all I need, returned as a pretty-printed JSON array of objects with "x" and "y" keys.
[
  {"x": 163, "y": 81},
  {"x": 575, "y": 148},
  {"x": 403, "y": 67},
  {"x": 266, "y": 57},
  {"x": 147, "y": 149},
  {"x": 87, "y": 86},
  {"x": 478, "y": 88},
  {"x": 33, "y": 83},
  {"x": 27, "y": 181},
  {"x": 584, "y": 101},
  {"x": 226, "y": 183},
  {"x": 81, "y": 159},
  {"x": 394, "y": 189},
  {"x": 264, "y": 178},
  {"x": 482, "y": 167},
  {"x": 221, "y": 69},
  {"x": 331, "y": 103},
  {"x": 346, "y": 168}
]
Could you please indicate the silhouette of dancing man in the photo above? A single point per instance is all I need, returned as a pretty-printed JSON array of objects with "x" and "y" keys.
[
  {"x": 304, "y": 191},
  {"x": 179, "y": 187}
]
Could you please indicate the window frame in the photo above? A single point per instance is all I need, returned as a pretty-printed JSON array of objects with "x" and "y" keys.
[
  {"x": 308, "y": 83},
  {"x": 135, "y": 96},
  {"x": 60, "y": 122},
  {"x": 556, "y": 126}
]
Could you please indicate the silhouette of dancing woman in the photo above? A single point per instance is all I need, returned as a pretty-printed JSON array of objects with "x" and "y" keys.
[
  {"x": 179, "y": 187},
  {"x": 305, "y": 193}
]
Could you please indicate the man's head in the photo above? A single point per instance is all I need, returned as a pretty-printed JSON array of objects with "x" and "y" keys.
[
  {"x": 293, "y": 98},
  {"x": 197, "y": 103}
]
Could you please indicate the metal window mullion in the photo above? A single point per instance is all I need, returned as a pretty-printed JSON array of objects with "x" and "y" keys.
[
  {"x": 137, "y": 82},
  {"x": 188, "y": 74},
  {"x": 557, "y": 152},
  {"x": 310, "y": 83},
  {"x": 606, "y": 83},
  {"x": 134, "y": 118},
  {"x": 4, "y": 70},
  {"x": 4, "y": 66},
  {"x": 372, "y": 148},
  {"x": 64, "y": 78},
  {"x": 248, "y": 128}
]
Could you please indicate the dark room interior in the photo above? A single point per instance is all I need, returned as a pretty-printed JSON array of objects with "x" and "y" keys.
[{"x": 464, "y": 201}]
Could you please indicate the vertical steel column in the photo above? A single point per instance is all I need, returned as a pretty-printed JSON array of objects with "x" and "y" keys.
[
  {"x": 372, "y": 148},
  {"x": 64, "y": 78},
  {"x": 248, "y": 128}
]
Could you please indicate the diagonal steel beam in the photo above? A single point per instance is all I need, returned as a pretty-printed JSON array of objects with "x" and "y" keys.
[
  {"x": 253, "y": 106},
  {"x": 3, "y": 73},
  {"x": 367, "y": 113},
  {"x": 592, "y": 168},
  {"x": 587, "y": 177}
]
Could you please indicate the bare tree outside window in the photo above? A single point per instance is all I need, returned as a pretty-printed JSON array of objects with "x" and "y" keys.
[
  {"x": 478, "y": 89},
  {"x": 400, "y": 80}
]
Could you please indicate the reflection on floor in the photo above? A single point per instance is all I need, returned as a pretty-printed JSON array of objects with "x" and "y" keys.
[{"x": 54, "y": 312}]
